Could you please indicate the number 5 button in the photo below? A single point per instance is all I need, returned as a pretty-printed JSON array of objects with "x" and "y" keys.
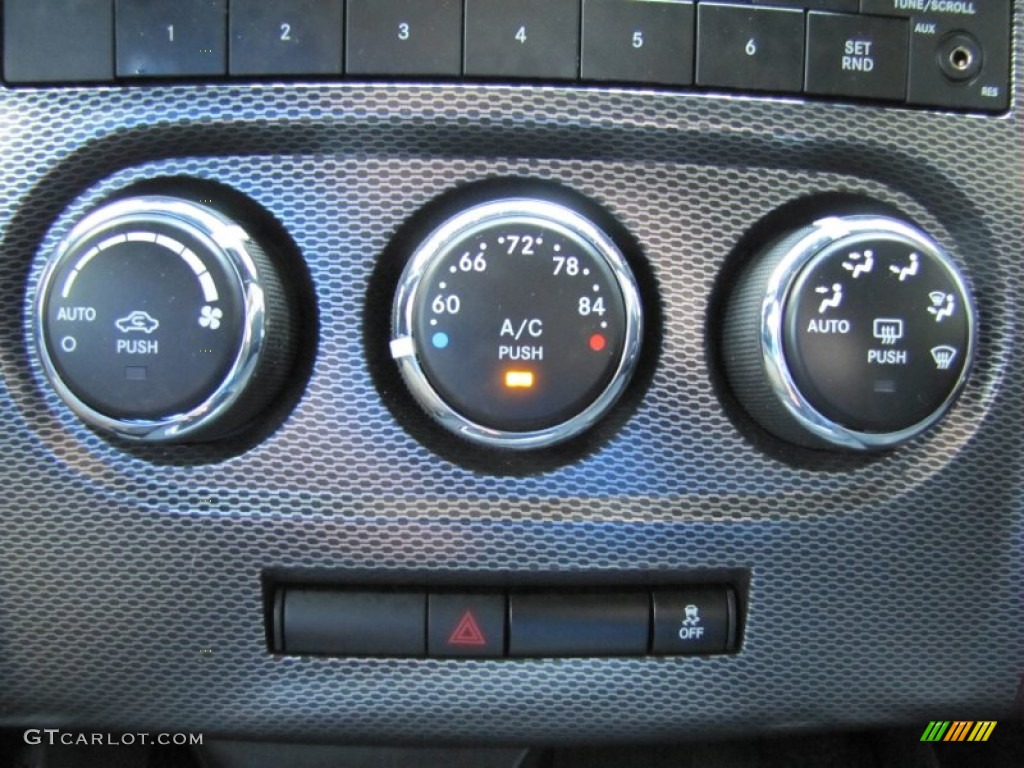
[
  {"x": 404, "y": 37},
  {"x": 644, "y": 42},
  {"x": 523, "y": 38},
  {"x": 753, "y": 49}
]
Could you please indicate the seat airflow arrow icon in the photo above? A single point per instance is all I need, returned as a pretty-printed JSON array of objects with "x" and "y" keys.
[{"x": 467, "y": 632}]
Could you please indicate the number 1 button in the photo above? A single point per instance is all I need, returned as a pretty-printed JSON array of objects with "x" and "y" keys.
[
  {"x": 522, "y": 38},
  {"x": 750, "y": 49},
  {"x": 170, "y": 38}
]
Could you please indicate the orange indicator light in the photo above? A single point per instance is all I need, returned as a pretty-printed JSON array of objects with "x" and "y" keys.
[
  {"x": 597, "y": 342},
  {"x": 519, "y": 379}
]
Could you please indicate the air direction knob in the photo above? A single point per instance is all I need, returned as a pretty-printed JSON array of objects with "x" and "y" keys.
[
  {"x": 160, "y": 319},
  {"x": 855, "y": 332}
]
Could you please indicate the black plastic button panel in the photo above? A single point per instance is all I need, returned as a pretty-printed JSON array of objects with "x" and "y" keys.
[
  {"x": 566, "y": 624},
  {"x": 747, "y": 48},
  {"x": 466, "y": 625},
  {"x": 445, "y": 624},
  {"x": 54, "y": 41},
  {"x": 843, "y": 6},
  {"x": 343, "y": 623},
  {"x": 640, "y": 42},
  {"x": 522, "y": 38},
  {"x": 863, "y": 56},
  {"x": 404, "y": 37},
  {"x": 952, "y": 54},
  {"x": 285, "y": 37},
  {"x": 692, "y": 620},
  {"x": 170, "y": 38}
]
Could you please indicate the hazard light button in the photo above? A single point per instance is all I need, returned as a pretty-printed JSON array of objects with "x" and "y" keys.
[{"x": 466, "y": 625}]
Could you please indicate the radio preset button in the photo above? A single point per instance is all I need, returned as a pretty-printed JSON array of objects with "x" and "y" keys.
[
  {"x": 165, "y": 38},
  {"x": 645, "y": 42},
  {"x": 758, "y": 49},
  {"x": 522, "y": 38},
  {"x": 404, "y": 37},
  {"x": 285, "y": 37}
]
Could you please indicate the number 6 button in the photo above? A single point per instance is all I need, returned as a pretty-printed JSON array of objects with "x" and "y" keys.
[
  {"x": 753, "y": 49},
  {"x": 404, "y": 37}
]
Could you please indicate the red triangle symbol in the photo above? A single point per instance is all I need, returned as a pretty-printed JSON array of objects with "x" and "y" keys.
[{"x": 467, "y": 632}]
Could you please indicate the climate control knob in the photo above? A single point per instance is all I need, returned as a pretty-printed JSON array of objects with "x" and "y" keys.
[
  {"x": 855, "y": 332},
  {"x": 160, "y": 319},
  {"x": 517, "y": 323}
]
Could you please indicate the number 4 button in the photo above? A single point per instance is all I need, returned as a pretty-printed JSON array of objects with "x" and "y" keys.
[
  {"x": 522, "y": 38},
  {"x": 751, "y": 49}
]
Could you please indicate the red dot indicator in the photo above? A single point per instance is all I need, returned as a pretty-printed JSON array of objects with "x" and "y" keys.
[{"x": 597, "y": 342}]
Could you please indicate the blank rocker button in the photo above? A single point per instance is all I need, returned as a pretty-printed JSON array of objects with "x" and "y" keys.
[
  {"x": 56, "y": 41},
  {"x": 606, "y": 624},
  {"x": 353, "y": 623}
]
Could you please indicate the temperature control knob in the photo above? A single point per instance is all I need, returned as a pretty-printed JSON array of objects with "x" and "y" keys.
[
  {"x": 855, "y": 332},
  {"x": 159, "y": 318},
  {"x": 517, "y": 323}
]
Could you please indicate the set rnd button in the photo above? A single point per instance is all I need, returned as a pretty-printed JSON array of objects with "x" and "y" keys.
[{"x": 860, "y": 56}]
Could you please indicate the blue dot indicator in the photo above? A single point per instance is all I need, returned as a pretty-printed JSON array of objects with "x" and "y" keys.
[{"x": 440, "y": 340}]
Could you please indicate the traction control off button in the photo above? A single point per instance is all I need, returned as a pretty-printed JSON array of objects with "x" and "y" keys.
[{"x": 698, "y": 620}]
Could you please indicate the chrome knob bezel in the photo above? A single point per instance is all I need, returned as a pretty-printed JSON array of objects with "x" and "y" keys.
[{"x": 224, "y": 240}]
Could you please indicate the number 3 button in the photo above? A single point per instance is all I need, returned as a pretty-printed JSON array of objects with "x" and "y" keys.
[
  {"x": 759, "y": 49},
  {"x": 404, "y": 37}
]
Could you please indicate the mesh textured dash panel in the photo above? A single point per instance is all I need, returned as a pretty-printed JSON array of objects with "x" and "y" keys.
[{"x": 881, "y": 590}]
